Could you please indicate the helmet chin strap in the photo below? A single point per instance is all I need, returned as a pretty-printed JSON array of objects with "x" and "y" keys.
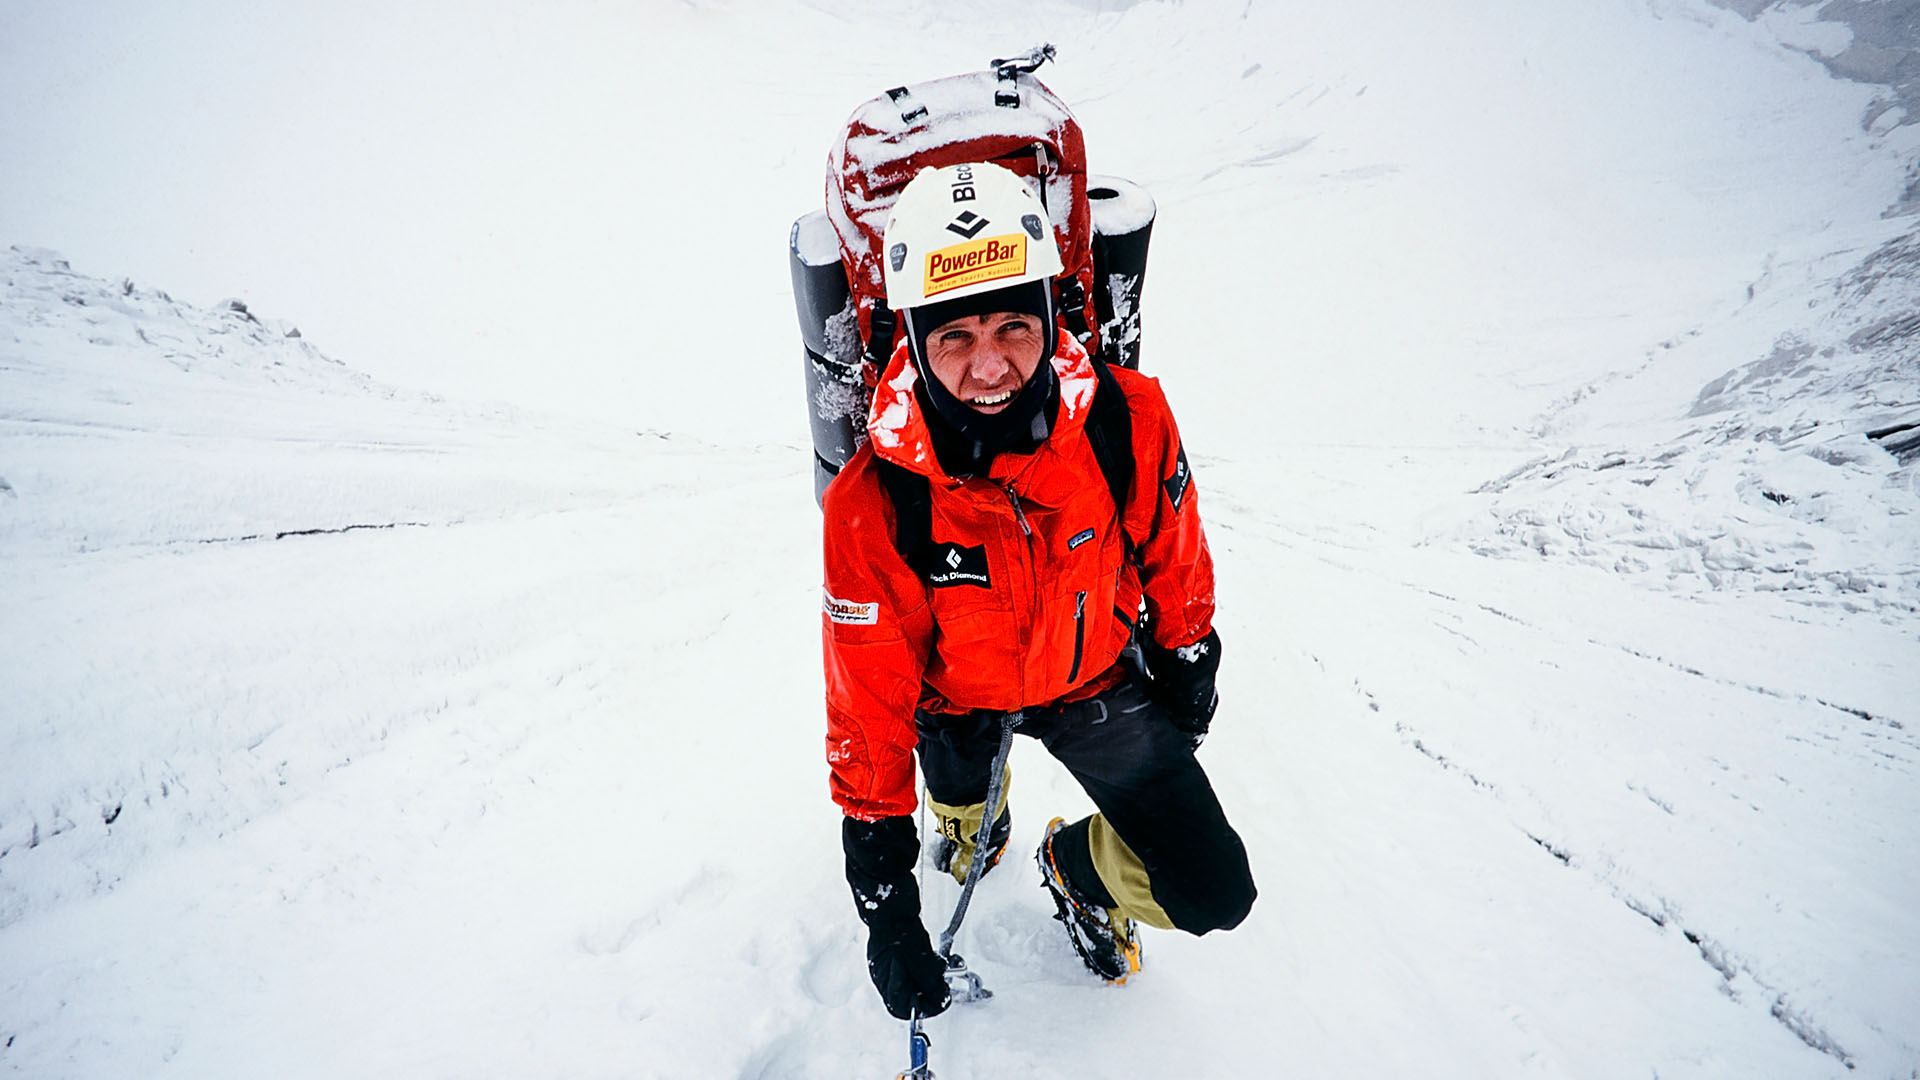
[{"x": 971, "y": 439}]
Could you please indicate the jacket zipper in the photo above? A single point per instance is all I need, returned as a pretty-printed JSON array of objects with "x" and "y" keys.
[
  {"x": 1079, "y": 633},
  {"x": 1019, "y": 514},
  {"x": 1033, "y": 585}
]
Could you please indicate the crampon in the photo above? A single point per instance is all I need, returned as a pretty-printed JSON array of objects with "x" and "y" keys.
[{"x": 1104, "y": 939}]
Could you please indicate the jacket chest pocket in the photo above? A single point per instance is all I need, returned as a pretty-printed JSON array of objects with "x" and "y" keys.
[
  {"x": 1084, "y": 595},
  {"x": 971, "y": 613}
]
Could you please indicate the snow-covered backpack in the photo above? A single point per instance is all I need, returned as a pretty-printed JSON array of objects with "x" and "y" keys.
[{"x": 1006, "y": 116}]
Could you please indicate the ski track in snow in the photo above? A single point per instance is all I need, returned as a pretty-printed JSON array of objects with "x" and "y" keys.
[
  {"x": 1667, "y": 891},
  {"x": 1568, "y": 711}
]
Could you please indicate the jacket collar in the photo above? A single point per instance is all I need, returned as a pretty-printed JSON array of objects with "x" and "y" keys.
[{"x": 898, "y": 427}]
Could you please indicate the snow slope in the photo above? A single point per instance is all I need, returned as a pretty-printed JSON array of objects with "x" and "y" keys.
[
  {"x": 1530, "y": 360},
  {"x": 1791, "y": 472}
]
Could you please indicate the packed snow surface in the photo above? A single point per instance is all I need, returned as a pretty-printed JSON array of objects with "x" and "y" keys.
[{"x": 433, "y": 689}]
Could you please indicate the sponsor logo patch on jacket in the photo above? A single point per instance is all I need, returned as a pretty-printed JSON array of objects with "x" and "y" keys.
[
  {"x": 1176, "y": 484},
  {"x": 956, "y": 565},
  {"x": 1079, "y": 538},
  {"x": 849, "y": 612}
]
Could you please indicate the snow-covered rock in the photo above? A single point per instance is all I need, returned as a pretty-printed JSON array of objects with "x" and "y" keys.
[{"x": 1796, "y": 472}]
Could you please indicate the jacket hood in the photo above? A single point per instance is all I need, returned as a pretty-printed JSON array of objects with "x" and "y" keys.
[{"x": 897, "y": 425}]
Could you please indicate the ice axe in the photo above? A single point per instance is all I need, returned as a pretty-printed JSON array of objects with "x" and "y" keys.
[{"x": 964, "y": 984}]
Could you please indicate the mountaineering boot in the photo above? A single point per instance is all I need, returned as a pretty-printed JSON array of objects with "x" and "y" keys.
[
  {"x": 1104, "y": 939},
  {"x": 953, "y": 852}
]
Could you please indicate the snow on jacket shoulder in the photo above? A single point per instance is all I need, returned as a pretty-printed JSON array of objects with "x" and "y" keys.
[{"x": 1036, "y": 596}]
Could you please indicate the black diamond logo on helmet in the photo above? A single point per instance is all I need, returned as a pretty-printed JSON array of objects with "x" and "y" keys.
[
  {"x": 968, "y": 224},
  {"x": 1032, "y": 224}
]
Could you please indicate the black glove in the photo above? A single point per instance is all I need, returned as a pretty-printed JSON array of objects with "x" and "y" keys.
[
  {"x": 910, "y": 976},
  {"x": 1183, "y": 682}
]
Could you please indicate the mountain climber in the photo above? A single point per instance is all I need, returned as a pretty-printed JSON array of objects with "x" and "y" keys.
[{"x": 977, "y": 565}]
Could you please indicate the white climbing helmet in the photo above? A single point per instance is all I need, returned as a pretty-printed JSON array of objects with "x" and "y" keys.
[{"x": 963, "y": 230}]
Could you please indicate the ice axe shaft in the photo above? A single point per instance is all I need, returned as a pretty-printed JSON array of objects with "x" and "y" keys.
[
  {"x": 966, "y": 986},
  {"x": 1008, "y": 722}
]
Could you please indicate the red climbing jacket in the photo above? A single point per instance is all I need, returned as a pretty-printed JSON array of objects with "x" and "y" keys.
[{"x": 1033, "y": 595}]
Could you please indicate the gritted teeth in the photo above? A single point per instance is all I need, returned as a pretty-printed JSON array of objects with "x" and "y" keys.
[{"x": 996, "y": 399}]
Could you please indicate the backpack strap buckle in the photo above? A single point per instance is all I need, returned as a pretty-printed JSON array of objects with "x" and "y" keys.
[
  {"x": 882, "y": 322},
  {"x": 910, "y": 107},
  {"x": 1073, "y": 308}
]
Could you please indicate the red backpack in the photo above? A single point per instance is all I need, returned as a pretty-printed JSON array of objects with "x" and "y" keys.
[{"x": 1003, "y": 115}]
